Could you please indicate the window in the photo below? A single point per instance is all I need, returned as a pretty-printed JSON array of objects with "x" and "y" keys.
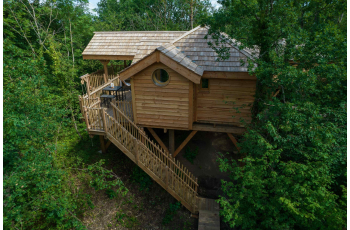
[
  {"x": 160, "y": 77},
  {"x": 205, "y": 83}
]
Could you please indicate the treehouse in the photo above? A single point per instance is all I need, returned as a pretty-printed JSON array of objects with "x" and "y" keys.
[{"x": 174, "y": 82}]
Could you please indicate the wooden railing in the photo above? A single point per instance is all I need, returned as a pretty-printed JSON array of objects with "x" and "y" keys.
[
  {"x": 96, "y": 79},
  {"x": 125, "y": 107},
  {"x": 161, "y": 166},
  {"x": 155, "y": 161}
]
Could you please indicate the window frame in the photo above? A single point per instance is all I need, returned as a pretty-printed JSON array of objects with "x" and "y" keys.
[
  {"x": 201, "y": 89},
  {"x": 157, "y": 82}
]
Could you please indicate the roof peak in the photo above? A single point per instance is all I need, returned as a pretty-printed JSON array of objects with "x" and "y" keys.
[{"x": 149, "y": 31}]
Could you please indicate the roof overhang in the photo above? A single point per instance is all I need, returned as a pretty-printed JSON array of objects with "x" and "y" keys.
[
  {"x": 156, "y": 57},
  {"x": 108, "y": 57}
]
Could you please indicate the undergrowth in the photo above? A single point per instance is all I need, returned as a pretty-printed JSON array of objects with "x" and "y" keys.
[
  {"x": 190, "y": 154},
  {"x": 140, "y": 177},
  {"x": 170, "y": 213}
]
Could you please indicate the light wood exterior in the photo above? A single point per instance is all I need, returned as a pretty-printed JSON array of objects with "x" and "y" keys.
[
  {"x": 120, "y": 130},
  {"x": 163, "y": 107},
  {"x": 219, "y": 103}
]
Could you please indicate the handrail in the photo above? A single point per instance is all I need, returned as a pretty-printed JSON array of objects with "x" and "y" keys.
[
  {"x": 151, "y": 142},
  {"x": 186, "y": 187},
  {"x": 103, "y": 86}
]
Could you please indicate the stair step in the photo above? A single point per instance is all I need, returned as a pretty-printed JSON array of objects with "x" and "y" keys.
[{"x": 209, "y": 214}]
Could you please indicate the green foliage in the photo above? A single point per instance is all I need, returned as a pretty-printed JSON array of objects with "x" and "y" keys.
[
  {"x": 41, "y": 170},
  {"x": 190, "y": 154},
  {"x": 170, "y": 213},
  {"x": 154, "y": 15},
  {"x": 140, "y": 177},
  {"x": 126, "y": 220},
  {"x": 294, "y": 172},
  {"x": 111, "y": 194}
]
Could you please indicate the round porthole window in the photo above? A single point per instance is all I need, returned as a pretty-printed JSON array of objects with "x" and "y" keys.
[{"x": 160, "y": 77}]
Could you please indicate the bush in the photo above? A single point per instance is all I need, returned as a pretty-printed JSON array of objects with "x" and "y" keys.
[
  {"x": 170, "y": 212},
  {"x": 191, "y": 155},
  {"x": 140, "y": 177}
]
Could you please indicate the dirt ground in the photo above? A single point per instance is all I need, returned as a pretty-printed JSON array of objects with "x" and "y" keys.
[{"x": 147, "y": 209}]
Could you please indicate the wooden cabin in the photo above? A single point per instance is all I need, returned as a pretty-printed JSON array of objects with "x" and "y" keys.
[
  {"x": 198, "y": 93},
  {"x": 177, "y": 83}
]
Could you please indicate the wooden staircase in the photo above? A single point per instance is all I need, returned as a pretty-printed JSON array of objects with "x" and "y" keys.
[{"x": 149, "y": 156}]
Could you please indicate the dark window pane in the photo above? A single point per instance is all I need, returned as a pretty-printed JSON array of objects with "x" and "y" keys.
[{"x": 205, "y": 83}]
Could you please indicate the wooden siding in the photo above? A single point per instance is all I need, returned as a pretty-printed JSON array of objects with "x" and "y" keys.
[
  {"x": 217, "y": 105},
  {"x": 163, "y": 107}
]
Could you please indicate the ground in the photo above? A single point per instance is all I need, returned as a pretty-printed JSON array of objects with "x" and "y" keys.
[{"x": 146, "y": 205}]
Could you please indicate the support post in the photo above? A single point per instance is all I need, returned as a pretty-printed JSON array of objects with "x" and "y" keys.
[
  {"x": 105, "y": 63},
  {"x": 184, "y": 143},
  {"x": 160, "y": 142},
  {"x": 171, "y": 141},
  {"x": 233, "y": 139},
  {"x": 86, "y": 119},
  {"x": 103, "y": 112},
  {"x": 102, "y": 141}
]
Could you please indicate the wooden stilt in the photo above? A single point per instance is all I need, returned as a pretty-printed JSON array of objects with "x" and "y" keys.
[
  {"x": 105, "y": 63},
  {"x": 102, "y": 141},
  {"x": 108, "y": 144},
  {"x": 160, "y": 142},
  {"x": 171, "y": 141},
  {"x": 233, "y": 139},
  {"x": 184, "y": 143}
]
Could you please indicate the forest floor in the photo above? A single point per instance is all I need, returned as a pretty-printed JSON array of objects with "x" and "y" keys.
[{"x": 147, "y": 205}]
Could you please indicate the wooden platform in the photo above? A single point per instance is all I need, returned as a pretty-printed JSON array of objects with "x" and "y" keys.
[
  {"x": 218, "y": 128},
  {"x": 209, "y": 218}
]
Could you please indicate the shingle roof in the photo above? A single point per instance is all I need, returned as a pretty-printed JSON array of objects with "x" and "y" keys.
[
  {"x": 195, "y": 47},
  {"x": 175, "y": 54},
  {"x": 190, "y": 44},
  {"x": 128, "y": 42}
]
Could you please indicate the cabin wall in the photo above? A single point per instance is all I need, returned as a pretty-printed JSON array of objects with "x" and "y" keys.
[
  {"x": 218, "y": 104},
  {"x": 162, "y": 107}
]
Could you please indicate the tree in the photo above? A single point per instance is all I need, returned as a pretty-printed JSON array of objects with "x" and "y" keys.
[
  {"x": 40, "y": 104},
  {"x": 141, "y": 15},
  {"x": 294, "y": 173}
]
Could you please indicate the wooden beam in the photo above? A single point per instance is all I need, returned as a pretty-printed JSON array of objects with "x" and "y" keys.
[
  {"x": 171, "y": 141},
  {"x": 105, "y": 63},
  {"x": 190, "y": 75},
  {"x": 160, "y": 142},
  {"x": 102, "y": 142},
  {"x": 228, "y": 75},
  {"x": 124, "y": 64},
  {"x": 109, "y": 57},
  {"x": 195, "y": 91},
  {"x": 108, "y": 144},
  {"x": 184, "y": 143},
  {"x": 133, "y": 98},
  {"x": 190, "y": 105},
  {"x": 233, "y": 139},
  {"x": 137, "y": 67},
  {"x": 158, "y": 58},
  {"x": 219, "y": 128}
]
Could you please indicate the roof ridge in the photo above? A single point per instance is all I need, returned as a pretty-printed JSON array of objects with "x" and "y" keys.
[
  {"x": 148, "y": 31},
  {"x": 185, "y": 34}
]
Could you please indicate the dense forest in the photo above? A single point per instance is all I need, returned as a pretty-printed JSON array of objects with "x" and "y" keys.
[{"x": 293, "y": 175}]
